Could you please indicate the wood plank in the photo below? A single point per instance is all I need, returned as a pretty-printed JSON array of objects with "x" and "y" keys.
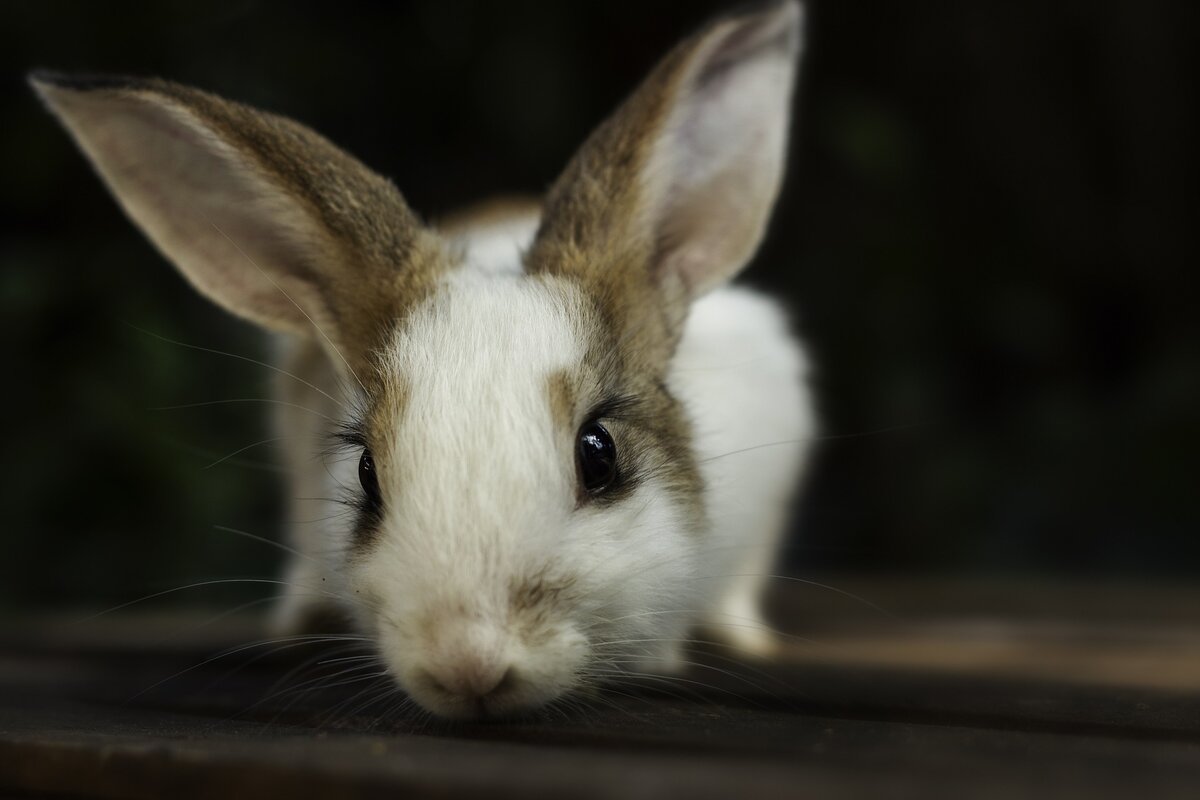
[{"x": 918, "y": 703}]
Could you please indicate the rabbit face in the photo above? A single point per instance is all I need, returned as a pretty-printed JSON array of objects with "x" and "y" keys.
[{"x": 494, "y": 577}]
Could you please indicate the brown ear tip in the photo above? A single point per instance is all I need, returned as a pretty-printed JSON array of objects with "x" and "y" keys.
[
  {"x": 785, "y": 14},
  {"x": 787, "y": 11},
  {"x": 775, "y": 26},
  {"x": 43, "y": 79}
]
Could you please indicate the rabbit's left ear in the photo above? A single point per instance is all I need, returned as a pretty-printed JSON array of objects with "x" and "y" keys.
[
  {"x": 259, "y": 213},
  {"x": 671, "y": 195}
]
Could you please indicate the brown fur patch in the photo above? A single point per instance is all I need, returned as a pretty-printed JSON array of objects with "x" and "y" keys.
[
  {"x": 617, "y": 385},
  {"x": 561, "y": 388},
  {"x": 535, "y": 602},
  {"x": 594, "y": 228},
  {"x": 654, "y": 442},
  {"x": 538, "y": 591},
  {"x": 387, "y": 403}
]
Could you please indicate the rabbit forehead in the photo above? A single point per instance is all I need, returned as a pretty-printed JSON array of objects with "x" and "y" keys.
[
  {"x": 483, "y": 388},
  {"x": 486, "y": 384},
  {"x": 470, "y": 389},
  {"x": 481, "y": 335}
]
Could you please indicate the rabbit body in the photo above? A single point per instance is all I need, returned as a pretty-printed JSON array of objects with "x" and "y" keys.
[{"x": 565, "y": 443}]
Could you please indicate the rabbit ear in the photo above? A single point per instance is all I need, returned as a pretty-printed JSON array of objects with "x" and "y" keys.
[
  {"x": 673, "y": 192},
  {"x": 262, "y": 215}
]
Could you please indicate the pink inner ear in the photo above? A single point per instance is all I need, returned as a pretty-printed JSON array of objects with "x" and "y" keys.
[
  {"x": 236, "y": 236},
  {"x": 717, "y": 165}
]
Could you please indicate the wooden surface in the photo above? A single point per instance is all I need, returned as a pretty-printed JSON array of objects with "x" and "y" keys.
[{"x": 950, "y": 690}]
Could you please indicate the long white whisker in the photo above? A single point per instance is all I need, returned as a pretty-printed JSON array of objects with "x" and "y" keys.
[
  {"x": 241, "y": 450},
  {"x": 808, "y": 582},
  {"x": 824, "y": 438},
  {"x": 303, "y": 640},
  {"x": 208, "y": 455},
  {"x": 265, "y": 540},
  {"x": 245, "y": 400},
  {"x": 247, "y": 359},
  {"x": 348, "y": 658},
  {"x": 196, "y": 585}
]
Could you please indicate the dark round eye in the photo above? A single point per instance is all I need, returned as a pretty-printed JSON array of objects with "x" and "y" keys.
[
  {"x": 369, "y": 478},
  {"x": 597, "y": 457}
]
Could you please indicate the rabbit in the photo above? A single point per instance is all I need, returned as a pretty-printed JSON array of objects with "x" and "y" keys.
[{"x": 572, "y": 445}]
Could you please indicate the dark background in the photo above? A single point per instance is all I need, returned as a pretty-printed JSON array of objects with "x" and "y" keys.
[{"x": 987, "y": 235}]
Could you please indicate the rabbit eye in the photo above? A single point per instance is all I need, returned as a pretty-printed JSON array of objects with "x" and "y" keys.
[
  {"x": 597, "y": 457},
  {"x": 369, "y": 478}
]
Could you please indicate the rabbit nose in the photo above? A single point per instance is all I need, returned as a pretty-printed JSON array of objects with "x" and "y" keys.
[{"x": 473, "y": 678}]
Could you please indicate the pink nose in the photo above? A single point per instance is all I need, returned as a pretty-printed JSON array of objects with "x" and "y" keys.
[{"x": 472, "y": 679}]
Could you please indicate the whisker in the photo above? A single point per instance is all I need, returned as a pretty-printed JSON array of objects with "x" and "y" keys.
[
  {"x": 807, "y": 582},
  {"x": 833, "y": 437},
  {"x": 687, "y": 691},
  {"x": 348, "y": 658},
  {"x": 726, "y": 672},
  {"x": 196, "y": 585},
  {"x": 280, "y": 683},
  {"x": 316, "y": 684},
  {"x": 255, "y": 361},
  {"x": 230, "y": 612},
  {"x": 208, "y": 455},
  {"x": 271, "y": 400},
  {"x": 241, "y": 450},
  {"x": 338, "y": 711},
  {"x": 290, "y": 642},
  {"x": 280, "y": 545}
]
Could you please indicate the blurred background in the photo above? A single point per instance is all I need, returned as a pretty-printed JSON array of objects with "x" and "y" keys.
[{"x": 987, "y": 236}]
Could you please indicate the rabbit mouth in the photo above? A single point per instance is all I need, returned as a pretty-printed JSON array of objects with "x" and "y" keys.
[{"x": 510, "y": 696}]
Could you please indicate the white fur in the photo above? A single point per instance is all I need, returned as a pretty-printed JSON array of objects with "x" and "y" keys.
[
  {"x": 741, "y": 375},
  {"x": 496, "y": 247}
]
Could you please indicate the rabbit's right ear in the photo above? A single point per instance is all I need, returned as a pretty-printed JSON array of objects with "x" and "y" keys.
[
  {"x": 670, "y": 196},
  {"x": 262, "y": 215}
]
